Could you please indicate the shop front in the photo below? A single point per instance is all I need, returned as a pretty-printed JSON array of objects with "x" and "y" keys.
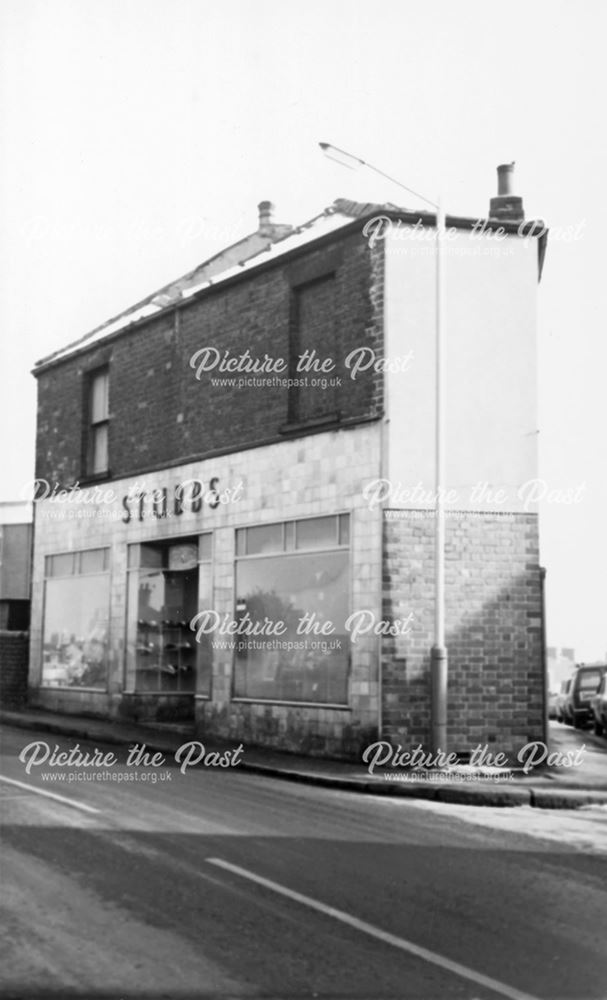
[{"x": 220, "y": 594}]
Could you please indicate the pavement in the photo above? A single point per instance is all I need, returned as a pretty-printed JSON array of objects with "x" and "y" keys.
[{"x": 555, "y": 787}]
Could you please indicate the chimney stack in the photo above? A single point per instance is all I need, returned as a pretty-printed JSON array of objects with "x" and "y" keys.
[
  {"x": 506, "y": 207},
  {"x": 266, "y": 209}
]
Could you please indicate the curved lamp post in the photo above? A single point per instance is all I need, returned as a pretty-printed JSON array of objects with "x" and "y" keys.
[{"x": 439, "y": 657}]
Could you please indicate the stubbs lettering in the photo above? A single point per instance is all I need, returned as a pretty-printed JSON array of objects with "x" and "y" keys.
[
  {"x": 214, "y": 502},
  {"x": 178, "y": 505},
  {"x": 191, "y": 494},
  {"x": 160, "y": 503},
  {"x": 125, "y": 504}
]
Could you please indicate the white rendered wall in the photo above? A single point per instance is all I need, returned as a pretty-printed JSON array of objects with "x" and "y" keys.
[{"x": 490, "y": 290}]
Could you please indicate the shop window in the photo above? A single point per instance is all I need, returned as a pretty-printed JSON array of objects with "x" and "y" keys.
[
  {"x": 292, "y": 587},
  {"x": 168, "y": 582},
  {"x": 76, "y": 620},
  {"x": 97, "y": 461},
  {"x": 313, "y": 336}
]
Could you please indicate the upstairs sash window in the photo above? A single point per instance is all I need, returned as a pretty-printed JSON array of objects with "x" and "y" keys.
[{"x": 98, "y": 423}]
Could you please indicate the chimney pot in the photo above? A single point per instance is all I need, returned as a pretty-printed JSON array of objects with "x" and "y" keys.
[
  {"x": 506, "y": 207},
  {"x": 266, "y": 209},
  {"x": 505, "y": 177}
]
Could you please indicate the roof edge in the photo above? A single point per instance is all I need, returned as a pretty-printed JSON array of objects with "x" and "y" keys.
[{"x": 528, "y": 228}]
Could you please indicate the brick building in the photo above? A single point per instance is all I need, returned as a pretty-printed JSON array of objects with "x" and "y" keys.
[
  {"x": 234, "y": 452},
  {"x": 15, "y": 567}
]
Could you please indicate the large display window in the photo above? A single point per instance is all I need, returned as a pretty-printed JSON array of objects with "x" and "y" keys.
[
  {"x": 293, "y": 573},
  {"x": 76, "y": 619},
  {"x": 167, "y": 582}
]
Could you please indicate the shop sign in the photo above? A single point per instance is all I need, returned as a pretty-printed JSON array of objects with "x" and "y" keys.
[{"x": 191, "y": 495}]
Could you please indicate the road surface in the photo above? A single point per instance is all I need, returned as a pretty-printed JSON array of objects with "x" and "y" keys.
[{"x": 219, "y": 884}]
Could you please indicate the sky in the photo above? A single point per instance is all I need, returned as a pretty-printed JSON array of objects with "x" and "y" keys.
[{"x": 139, "y": 136}]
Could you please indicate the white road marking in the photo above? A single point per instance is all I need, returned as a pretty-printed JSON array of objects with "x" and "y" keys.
[
  {"x": 361, "y": 925},
  {"x": 73, "y": 803}
]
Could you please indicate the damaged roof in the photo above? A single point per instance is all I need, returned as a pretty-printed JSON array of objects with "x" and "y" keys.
[{"x": 262, "y": 247}]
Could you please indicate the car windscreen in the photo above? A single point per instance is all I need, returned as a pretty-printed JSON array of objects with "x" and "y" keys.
[{"x": 589, "y": 681}]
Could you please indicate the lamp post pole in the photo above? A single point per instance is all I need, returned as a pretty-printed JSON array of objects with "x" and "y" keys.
[
  {"x": 439, "y": 659},
  {"x": 439, "y": 663}
]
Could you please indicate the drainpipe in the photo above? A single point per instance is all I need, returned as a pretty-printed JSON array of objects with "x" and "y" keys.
[{"x": 544, "y": 658}]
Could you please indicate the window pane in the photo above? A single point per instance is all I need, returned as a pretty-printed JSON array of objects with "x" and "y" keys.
[
  {"x": 317, "y": 533},
  {"x": 265, "y": 538},
  {"x": 344, "y": 529},
  {"x": 183, "y": 556},
  {"x": 62, "y": 565},
  {"x": 99, "y": 397},
  {"x": 290, "y": 536},
  {"x": 292, "y": 666},
  {"x": 152, "y": 556},
  {"x": 100, "y": 452},
  {"x": 93, "y": 561},
  {"x": 76, "y": 633},
  {"x": 241, "y": 542}
]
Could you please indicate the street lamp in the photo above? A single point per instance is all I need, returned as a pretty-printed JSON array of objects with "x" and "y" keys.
[{"x": 439, "y": 657}]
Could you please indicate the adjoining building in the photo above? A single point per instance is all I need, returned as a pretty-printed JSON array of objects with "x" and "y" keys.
[
  {"x": 15, "y": 570},
  {"x": 561, "y": 664},
  {"x": 233, "y": 522},
  {"x": 15, "y": 564}
]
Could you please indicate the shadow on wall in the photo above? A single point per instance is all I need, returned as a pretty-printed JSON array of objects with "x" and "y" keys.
[{"x": 493, "y": 599}]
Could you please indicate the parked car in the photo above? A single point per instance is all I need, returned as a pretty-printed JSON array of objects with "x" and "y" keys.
[
  {"x": 599, "y": 707},
  {"x": 561, "y": 703},
  {"x": 584, "y": 685}
]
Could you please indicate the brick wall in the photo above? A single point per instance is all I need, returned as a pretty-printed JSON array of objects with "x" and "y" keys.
[
  {"x": 14, "y": 648},
  {"x": 493, "y": 630},
  {"x": 160, "y": 414}
]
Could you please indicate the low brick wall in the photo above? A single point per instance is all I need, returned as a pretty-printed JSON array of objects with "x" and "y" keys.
[
  {"x": 14, "y": 660},
  {"x": 305, "y": 729}
]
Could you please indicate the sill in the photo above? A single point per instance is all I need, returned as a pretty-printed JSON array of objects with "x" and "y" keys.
[
  {"x": 328, "y": 422},
  {"x": 291, "y": 704},
  {"x": 325, "y": 420},
  {"x": 158, "y": 694},
  {"x": 72, "y": 689},
  {"x": 90, "y": 478}
]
